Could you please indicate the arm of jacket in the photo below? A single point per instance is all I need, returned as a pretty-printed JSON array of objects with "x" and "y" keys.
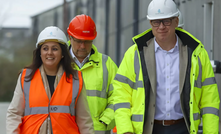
[
  {"x": 107, "y": 115},
  {"x": 123, "y": 93},
  {"x": 15, "y": 110},
  {"x": 210, "y": 100},
  {"x": 83, "y": 116}
]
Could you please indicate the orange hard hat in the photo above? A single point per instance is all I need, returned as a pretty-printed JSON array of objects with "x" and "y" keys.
[{"x": 82, "y": 27}]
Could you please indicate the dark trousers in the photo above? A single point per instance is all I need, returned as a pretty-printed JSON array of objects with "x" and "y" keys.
[{"x": 179, "y": 128}]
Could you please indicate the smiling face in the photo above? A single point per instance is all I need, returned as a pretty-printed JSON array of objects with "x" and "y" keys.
[
  {"x": 165, "y": 32},
  {"x": 51, "y": 55}
]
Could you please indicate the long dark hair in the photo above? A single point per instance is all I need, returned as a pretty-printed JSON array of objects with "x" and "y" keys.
[{"x": 65, "y": 62}]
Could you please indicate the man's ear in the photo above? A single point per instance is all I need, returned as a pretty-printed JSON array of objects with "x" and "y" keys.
[
  {"x": 177, "y": 21},
  {"x": 69, "y": 37}
]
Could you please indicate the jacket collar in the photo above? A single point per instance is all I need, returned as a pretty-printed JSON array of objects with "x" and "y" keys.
[
  {"x": 94, "y": 54},
  {"x": 185, "y": 37}
]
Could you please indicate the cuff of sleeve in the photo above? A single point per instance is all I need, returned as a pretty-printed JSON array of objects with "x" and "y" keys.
[{"x": 105, "y": 120}]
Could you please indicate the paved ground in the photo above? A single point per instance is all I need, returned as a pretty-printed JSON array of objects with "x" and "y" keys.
[{"x": 3, "y": 109}]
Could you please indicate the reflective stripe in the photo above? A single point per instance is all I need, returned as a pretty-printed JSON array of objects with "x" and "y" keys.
[
  {"x": 105, "y": 73},
  {"x": 26, "y": 93},
  {"x": 137, "y": 117},
  {"x": 102, "y": 132},
  {"x": 111, "y": 88},
  {"x": 51, "y": 108},
  {"x": 121, "y": 105},
  {"x": 209, "y": 110},
  {"x": 111, "y": 106},
  {"x": 196, "y": 116},
  {"x": 206, "y": 110},
  {"x": 103, "y": 93},
  {"x": 136, "y": 65},
  {"x": 209, "y": 81},
  {"x": 40, "y": 110},
  {"x": 74, "y": 93},
  {"x": 125, "y": 80},
  {"x": 137, "y": 70},
  {"x": 198, "y": 82},
  {"x": 97, "y": 93},
  {"x": 60, "y": 109},
  {"x": 139, "y": 84}
]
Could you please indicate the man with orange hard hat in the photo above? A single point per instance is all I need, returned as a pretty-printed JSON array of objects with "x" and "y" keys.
[{"x": 98, "y": 71}]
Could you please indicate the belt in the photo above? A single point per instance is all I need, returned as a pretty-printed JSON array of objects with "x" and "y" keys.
[{"x": 168, "y": 122}]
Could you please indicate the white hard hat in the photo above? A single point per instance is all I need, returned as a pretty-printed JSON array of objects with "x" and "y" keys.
[
  {"x": 51, "y": 33},
  {"x": 181, "y": 24},
  {"x": 161, "y": 9}
]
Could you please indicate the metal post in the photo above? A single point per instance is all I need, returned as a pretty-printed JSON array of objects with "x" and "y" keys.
[
  {"x": 118, "y": 31},
  {"x": 106, "y": 26},
  {"x": 136, "y": 17},
  {"x": 65, "y": 22}
]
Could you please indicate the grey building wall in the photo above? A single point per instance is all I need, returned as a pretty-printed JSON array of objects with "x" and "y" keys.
[{"x": 121, "y": 22}]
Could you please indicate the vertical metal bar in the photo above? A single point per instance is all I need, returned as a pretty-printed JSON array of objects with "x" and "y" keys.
[
  {"x": 56, "y": 18},
  {"x": 106, "y": 25},
  {"x": 94, "y": 10},
  {"x": 208, "y": 28},
  {"x": 88, "y": 7},
  {"x": 65, "y": 22},
  {"x": 212, "y": 24},
  {"x": 68, "y": 15},
  {"x": 136, "y": 17},
  {"x": 35, "y": 26},
  {"x": 118, "y": 31}
]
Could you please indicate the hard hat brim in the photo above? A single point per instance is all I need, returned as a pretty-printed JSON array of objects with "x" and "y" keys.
[
  {"x": 49, "y": 40},
  {"x": 163, "y": 17},
  {"x": 82, "y": 37}
]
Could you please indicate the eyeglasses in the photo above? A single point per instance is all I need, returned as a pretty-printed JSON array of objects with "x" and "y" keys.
[
  {"x": 86, "y": 42},
  {"x": 166, "y": 22}
]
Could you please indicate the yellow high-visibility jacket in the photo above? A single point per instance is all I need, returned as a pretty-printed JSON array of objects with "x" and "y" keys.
[
  {"x": 98, "y": 73},
  {"x": 199, "y": 98}
]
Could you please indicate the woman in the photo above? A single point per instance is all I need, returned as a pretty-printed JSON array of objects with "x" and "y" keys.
[{"x": 48, "y": 97}]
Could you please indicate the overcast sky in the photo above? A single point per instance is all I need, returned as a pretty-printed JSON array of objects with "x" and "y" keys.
[{"x": 17, "y": 13}]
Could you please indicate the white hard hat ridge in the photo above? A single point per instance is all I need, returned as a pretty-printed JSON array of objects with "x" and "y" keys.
[
  {"x": 51, "y": 33},
  {"x": 161, "y": 9},
  {"x": 181, "y": 23}
]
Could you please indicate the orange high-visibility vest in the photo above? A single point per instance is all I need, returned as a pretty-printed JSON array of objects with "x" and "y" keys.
[{"x": 60, "y": 109}]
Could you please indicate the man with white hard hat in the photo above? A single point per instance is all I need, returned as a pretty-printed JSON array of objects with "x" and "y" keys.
[{"x": 165, "y": 82}]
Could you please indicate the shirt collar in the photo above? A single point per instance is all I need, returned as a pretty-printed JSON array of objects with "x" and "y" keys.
[{"x": 175, "y": 48}]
